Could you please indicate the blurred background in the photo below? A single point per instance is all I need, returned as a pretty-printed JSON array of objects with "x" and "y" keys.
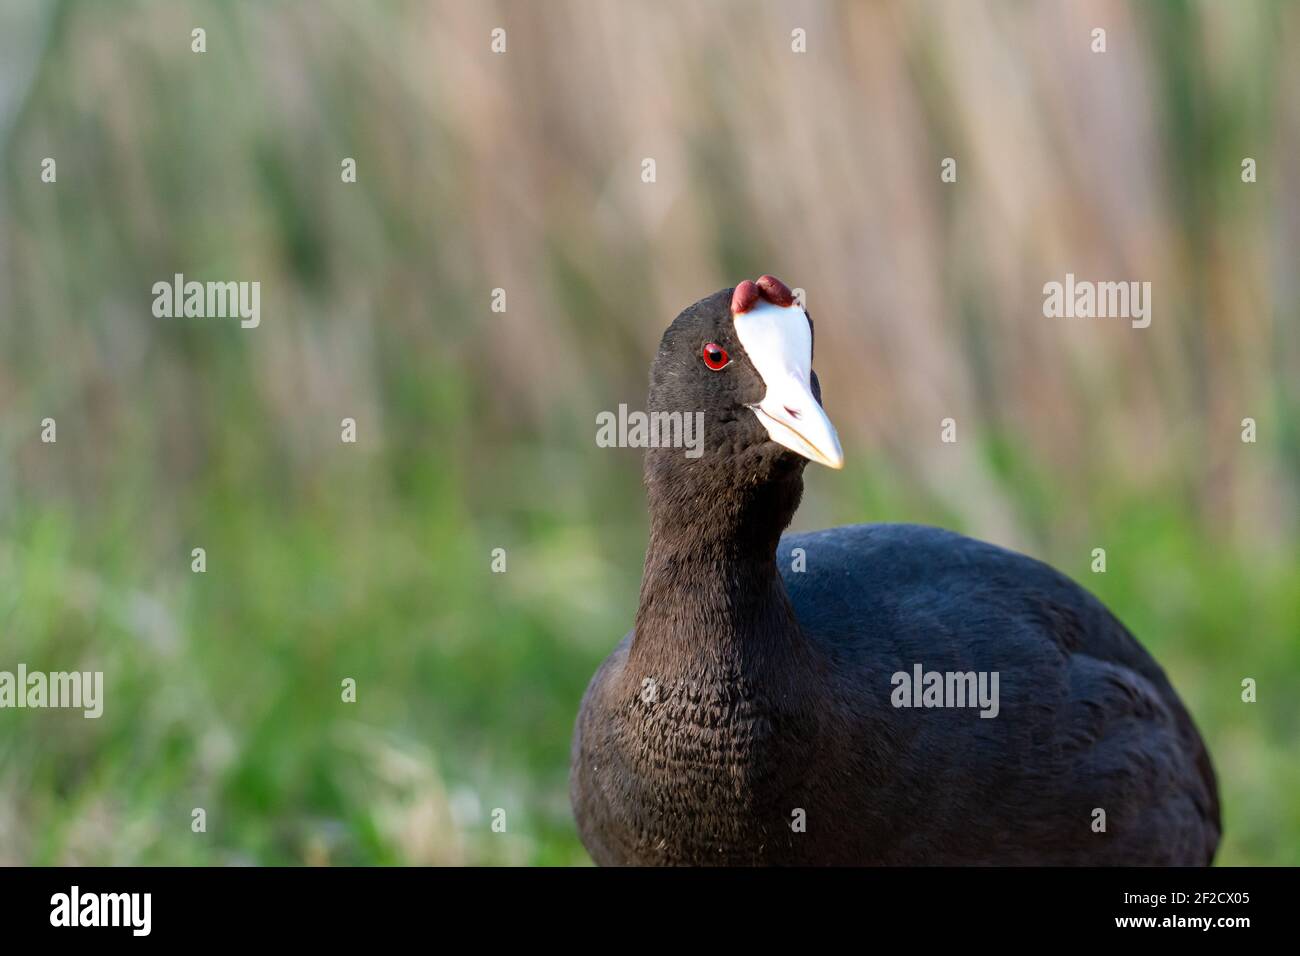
[{"x": 476, "y": 429}]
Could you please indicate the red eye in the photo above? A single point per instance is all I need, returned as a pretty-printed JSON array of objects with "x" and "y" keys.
[{"x": 715, "y": 356}]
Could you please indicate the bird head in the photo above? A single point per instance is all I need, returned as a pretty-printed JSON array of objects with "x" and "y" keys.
[{"x": 742, "y": 358}]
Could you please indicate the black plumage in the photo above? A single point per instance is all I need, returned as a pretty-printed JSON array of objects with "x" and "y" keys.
[{"x": 750, "y": 718}]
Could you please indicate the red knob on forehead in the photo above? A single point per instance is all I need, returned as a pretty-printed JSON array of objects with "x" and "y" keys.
[
  {"x": 743, "y": 299},
  {"x": 775, "y": 291}
]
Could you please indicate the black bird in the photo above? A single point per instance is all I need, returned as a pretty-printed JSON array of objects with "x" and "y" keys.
[{"x": 874, "y": 694}]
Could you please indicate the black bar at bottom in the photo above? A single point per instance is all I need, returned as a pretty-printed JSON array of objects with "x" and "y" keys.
[{"x": 334, "y": 906}]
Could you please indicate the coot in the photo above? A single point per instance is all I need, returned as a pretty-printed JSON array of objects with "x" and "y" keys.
[{"x": 874, "y": 694}]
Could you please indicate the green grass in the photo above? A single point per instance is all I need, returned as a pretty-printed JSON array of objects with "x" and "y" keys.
[{"x": 223, "y": 688}]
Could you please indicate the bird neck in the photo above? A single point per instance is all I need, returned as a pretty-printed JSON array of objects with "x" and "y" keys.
[{"x": 711, "y": 594}]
